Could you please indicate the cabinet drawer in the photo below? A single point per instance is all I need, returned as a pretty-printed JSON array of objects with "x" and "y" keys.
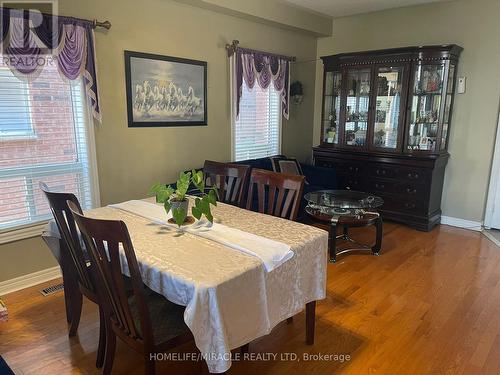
[
  {"x": 344, "y": 167},
  {"x": 349, "y": 168},
  {"x": 378, "y": 185},
  {"x": 399, "y": 204},
  {"x": 413, "y": 190},
  {"x": 326, "y": 163},
  {"x": 415, "y": 175},
  {"x": 383, "y": 171}
]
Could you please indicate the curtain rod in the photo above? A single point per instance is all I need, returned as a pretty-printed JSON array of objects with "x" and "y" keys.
[
  {"x": 106, "y": 24},
  {"x": 234, "y": 46},
  {"x": 95, "y": 23}
]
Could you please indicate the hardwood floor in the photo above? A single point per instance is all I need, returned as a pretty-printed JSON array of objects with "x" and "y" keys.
[{"x": 430, "y": 304}]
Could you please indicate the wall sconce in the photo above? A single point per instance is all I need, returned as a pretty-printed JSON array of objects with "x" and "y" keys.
[{"x": 296, "y": 92}]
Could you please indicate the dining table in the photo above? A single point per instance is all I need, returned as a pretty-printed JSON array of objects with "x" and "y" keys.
[{"x": 238, "y": 277}]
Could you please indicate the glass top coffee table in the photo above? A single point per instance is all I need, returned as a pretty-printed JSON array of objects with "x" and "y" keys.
[{"x": 346, "y": 209}]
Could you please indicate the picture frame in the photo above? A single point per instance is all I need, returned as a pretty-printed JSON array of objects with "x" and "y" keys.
[{"x": 165, "y": 91}]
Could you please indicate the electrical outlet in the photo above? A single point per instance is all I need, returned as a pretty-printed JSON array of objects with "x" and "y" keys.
[{"x": 461, "y": 85}]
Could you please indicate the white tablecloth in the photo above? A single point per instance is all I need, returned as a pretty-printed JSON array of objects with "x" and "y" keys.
[{"x": 230, "y": 299}]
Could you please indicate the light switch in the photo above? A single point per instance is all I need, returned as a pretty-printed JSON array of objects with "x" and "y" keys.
[{"x": 461, "y": 85}]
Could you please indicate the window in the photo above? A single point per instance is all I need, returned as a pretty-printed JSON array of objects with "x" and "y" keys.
[
  {"x": 15, "y": 118},
  {"x": 257, "y": 131},
  {"x": 53, "y": 112}
]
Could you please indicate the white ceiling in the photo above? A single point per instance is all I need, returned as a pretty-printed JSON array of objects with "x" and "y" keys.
[{"x": 340, "y": 8}]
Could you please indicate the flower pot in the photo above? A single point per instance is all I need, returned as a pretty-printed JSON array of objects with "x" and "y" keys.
[{"x": 180, "y": 204}]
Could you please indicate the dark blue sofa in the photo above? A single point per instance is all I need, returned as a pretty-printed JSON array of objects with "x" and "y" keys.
[{"x": 318, "y": 178}]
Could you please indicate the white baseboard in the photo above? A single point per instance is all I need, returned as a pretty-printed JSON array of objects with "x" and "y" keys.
[
  {"x": 22, "y": 282},
  {"x": 462, "y": 223}
]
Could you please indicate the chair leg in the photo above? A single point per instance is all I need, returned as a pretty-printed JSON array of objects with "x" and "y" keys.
[
  {"x": 101, "y": 348},
  {"x": 109, "y": 356},
  {"x": 76, "y": 312},
  {"x": 149, "y": 365},
  {"x": 70, "y": 284},
  {"x": 67, "y": 301}
]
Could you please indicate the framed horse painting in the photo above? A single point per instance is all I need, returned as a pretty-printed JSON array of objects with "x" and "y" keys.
[{"x": 165, "y": 90}]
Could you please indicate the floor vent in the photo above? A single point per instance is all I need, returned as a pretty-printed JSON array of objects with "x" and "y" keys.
[{"x": 52, "y": 289}]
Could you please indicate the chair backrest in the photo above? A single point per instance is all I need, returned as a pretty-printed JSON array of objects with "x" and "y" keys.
[
  {"x": 230, "y": 180},
  {"x": 70, "y": 237},
  {"x": 278, "y": 194},
  {"x": 103, "y": 239}
]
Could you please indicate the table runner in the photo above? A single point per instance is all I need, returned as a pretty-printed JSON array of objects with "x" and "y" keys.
[
  {"x": 271, "y": 253},
  {"x": 230, "y": 299}
]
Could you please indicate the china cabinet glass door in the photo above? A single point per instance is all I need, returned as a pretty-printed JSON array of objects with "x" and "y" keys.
[
  {"x": 357, "y": 106},
  {"x": 387, "y": 107},
  {"x": 447, "y": 106},
  {"x": 425, "y": 107},
  {"x": 331, "y": 109}
]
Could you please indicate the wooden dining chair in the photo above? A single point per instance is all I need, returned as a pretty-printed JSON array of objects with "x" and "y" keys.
[
  {"x": 77, "y": 276},
  {"x": 277, "y": 194},
  {"x": 144, "y": 320},
  {"x": 231, "y": 180}
]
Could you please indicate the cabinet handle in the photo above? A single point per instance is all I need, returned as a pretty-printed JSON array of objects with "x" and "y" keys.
[
  {"x": 409, "y": 205},
  {"x": 380, "y": 172},
  {"x": 413, "y": 176},
  {"x": 411, "y": 191},
  {"x": 380, "y": 186}
]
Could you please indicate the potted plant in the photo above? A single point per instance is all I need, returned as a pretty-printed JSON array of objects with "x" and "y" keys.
[
  {"x": 296, "y": 92},
  {"x": 176, "y": 200}
]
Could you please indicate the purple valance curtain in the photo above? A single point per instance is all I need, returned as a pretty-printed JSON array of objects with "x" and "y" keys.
[
  {"x": 30, "y": 41},
  {"x": 263, "y": 68}
]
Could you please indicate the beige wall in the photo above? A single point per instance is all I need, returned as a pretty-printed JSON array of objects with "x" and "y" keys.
[
  {"x": 131, "y": 160},
  {"x": 472, "y": 24}
]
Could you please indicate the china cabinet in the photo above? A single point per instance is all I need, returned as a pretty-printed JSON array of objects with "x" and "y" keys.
[{"x": 385, "y": 125}]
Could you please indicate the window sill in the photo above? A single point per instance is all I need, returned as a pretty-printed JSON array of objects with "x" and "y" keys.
[
  {"x": 22, "y": 233},
  {"x": 17, "y": 137}
]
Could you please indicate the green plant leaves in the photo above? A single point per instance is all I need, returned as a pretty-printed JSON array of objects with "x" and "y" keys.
[
  {"x": 161, "y": 192},
  {"x": 202, "y": 207},
  {"x": 183, "y": 185},
  {"x": 167, "y": 206},
  {"x": 166, "y": 194},
  {"x": 179, "y": 214},
  {"x": 198, "y": 180},
  {"x": 212, "y": 197}
]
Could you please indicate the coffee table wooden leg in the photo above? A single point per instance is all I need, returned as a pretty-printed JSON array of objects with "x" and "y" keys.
[
  {"x": 310, "y": 322},
  {"x": 332, "y": 242},
  {"x": 378, "y": 241}
]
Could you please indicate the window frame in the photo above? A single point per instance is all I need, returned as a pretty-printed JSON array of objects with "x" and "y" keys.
[
  {"x": 22, "y": 134},
  {"x": 36, "y": 227},
  {"x": 232, "y": 98}
]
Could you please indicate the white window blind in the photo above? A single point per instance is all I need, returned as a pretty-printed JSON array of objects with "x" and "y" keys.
[
  {"x": 43, "y": 137},
  {"x": 257, "y": 131}
]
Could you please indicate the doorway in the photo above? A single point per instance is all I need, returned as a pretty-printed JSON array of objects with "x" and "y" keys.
[{"x": 492, "y": 215}]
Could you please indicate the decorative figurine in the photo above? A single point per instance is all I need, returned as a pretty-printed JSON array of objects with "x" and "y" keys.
[
  {"x": 434, "y": 82},
  {"x": 364, "y": 88}
]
